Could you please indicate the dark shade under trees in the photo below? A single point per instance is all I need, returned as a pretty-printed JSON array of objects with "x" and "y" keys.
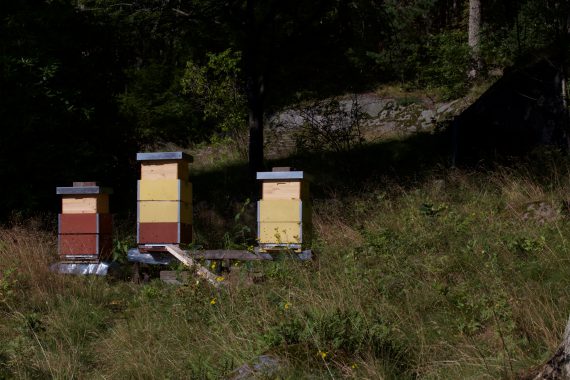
[{"x": 84, "y": 84}]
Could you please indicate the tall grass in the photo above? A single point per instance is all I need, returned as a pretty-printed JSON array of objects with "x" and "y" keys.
[{"x": 463, "y": 275}]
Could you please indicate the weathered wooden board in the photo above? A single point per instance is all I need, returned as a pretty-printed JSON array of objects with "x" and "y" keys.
[
  {"x": 281, "y": 189},
  {"x": 85, "y": 204},
  {"x": 85, "y": 244},
  {"x": 164, "y": 212},
  {"x": 162, "y": 258},
  {"x": 280, "y": 232},
  {"x": 149, "y": 256},
  {"x": 164, "y": 190},
  {"x": 85, "y": 223},
  {"x": 165, "y": 170},
  {"x": 279, "y": 210},
  {"x": 167, "y": 233},
  {"x": 188, "y": 261},
  {"x": 222, "y": 254}
]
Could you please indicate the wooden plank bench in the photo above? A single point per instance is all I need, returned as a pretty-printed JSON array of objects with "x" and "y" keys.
[{"x": 167, "y": 254}]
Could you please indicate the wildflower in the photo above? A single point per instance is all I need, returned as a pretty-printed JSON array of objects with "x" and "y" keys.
[
  {"x": 219, "y": 279},
  {"x": 354, "y": 366},
  {"x": 286, "y": 306},
  {"x": 323, "y": 354},
  {"x": 213, "y": 301},
  {"x": 213, "y": 266}
]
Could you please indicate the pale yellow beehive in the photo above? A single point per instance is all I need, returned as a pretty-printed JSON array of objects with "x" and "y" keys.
[
  {"x": 164, "y": 196},
  {"x": 284, "y": 212}
]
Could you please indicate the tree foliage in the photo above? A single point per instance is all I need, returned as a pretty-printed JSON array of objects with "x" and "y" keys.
[
  {"x": 85, "y": 83},
  {"x": 217, "y": 89}
]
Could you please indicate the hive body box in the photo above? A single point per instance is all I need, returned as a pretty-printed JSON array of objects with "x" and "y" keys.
[
  {"x": 164, "y": 199},
  {"x": 284, "y": 212},
  {"x": 85, "y": 226}
]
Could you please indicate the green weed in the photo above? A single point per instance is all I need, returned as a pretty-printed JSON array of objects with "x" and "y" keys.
[{"x": 423, "y": 281}]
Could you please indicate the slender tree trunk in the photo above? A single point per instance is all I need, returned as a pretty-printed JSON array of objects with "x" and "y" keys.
[
  {"x": 565, "y": 106},
  {"x": 255, "y": 111},
  {"x": 517, "y": 25},
  {"x": 564, "y": 38},
  {"x": 566, "y": 110},
  {"x": 475, "y": 36},
  {"x": 255, "y": 90}
]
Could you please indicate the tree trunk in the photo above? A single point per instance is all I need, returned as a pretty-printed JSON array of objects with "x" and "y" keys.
[
  {"x": 255, "y": 110},
  {"x": 475, "y": 36},
  {"x": 255, "y": 90},
  {"x": 565, "y": 105}
]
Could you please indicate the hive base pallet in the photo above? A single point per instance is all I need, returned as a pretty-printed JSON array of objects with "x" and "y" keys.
[
  {"x": 166, "y": 254},
  {"x": 158, "y": 255}
]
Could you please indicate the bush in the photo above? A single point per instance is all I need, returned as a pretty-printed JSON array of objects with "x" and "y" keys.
[
  {"x": 449, "y": 60},
  {"x": 330, "y": 125}
]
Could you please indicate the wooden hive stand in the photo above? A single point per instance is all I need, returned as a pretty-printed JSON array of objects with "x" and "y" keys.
[
  {"x": 165, "y": 217},
  {"x": 85, "y": 229},
  {"x": 284, "y": 211}
]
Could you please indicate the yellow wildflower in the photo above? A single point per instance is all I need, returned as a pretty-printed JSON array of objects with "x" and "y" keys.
[
  {"x": 219, "y": 279},
  {"x": 213, "y": 301},
  {"x": 286, "y": 306},
  {"x": 323, "y": 354}
]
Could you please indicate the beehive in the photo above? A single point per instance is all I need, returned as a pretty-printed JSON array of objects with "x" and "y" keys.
[
  {"x": 284, "y": 211},
  {"x": 85, "y": 226},
  {"x": 164, "y": 199}
]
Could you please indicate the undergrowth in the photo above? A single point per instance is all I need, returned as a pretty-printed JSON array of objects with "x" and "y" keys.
[{"x": 463, "y": 275}]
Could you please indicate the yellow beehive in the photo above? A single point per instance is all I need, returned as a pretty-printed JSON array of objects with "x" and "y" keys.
[
  {"x": 284, "y": 212},
  {"x": 164, "y": 197}
]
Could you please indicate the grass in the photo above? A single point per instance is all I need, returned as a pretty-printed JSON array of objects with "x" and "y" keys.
[{"x": 448, "y": 274}]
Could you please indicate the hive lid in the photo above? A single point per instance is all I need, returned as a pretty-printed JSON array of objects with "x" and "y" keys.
[
  {"x": 281, "y": 175},
  {"x": 83, "y": 188},
  {"x": 159, "y": 156}
]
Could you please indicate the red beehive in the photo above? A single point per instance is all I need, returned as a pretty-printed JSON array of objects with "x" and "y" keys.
[{"x": 85, "y": 226}]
